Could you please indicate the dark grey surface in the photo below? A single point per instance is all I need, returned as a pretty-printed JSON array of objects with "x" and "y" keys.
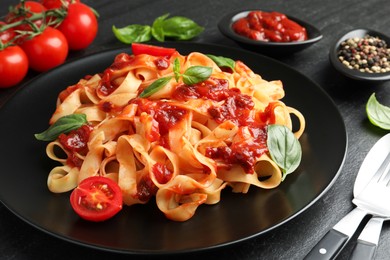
[{"x": 293, "y": 240}]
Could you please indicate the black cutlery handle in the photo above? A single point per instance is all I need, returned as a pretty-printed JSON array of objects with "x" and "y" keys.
[
  {"x": 329, "y": 246},
  {"x": 363, "y": 251}
]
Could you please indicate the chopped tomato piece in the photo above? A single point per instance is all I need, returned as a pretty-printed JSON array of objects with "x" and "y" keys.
[
  {"x": 96, "y": 199},
  {"x": 139, "y": 48}
]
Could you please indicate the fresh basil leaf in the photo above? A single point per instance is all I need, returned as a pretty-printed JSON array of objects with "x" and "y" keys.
[
  {"x": 284, "y": 148},
  {"x": 378, "y": 114},
  {"x": 196, "y": 74},
  {"x": 222, "y": 62},
  {"x": 181, "y": 28},
  {"x": 176, "y": 69},
  {"x": 64, "y": 125},
  {"x": 157, "y": 28},
  {"x": 155, "y": 86},
  {"x": 133, "y": 33}
]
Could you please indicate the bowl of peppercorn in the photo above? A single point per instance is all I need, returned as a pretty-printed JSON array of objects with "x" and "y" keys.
[
  {"x": 268, "y": 32},
  {"x": 362, "y": 54}
]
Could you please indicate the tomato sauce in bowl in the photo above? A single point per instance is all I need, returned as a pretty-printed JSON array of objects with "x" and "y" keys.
[
  {"x": 269, "y": 26},
  {"x": 268, "y": 31}
]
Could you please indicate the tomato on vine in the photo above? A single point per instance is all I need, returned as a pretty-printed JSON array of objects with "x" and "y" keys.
[
  {"x": 13, "y": 66},
  {"x": 23, "y": 11},
  {"x": 55, "y": 4},
  {"x": 39, "y": 34},
  {"x": 80, "y": 26},
  {"x": 46, "y": 50},
  {"x": 7, "y": 35}
]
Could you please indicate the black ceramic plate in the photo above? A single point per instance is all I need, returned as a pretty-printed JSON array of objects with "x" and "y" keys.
[
  {"x": 142, "y": 229},
  {"x": 264, "y": 47},
  {"x": 352, "y": 73}
]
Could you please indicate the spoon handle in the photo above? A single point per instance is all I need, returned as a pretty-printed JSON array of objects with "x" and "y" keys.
[{"x": 368, "y": 240}]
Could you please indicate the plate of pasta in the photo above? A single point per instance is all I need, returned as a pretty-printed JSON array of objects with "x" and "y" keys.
[{"x": 195, "y": 138}]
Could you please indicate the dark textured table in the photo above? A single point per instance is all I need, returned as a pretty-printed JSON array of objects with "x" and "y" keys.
[{"x": 294, "y": 239}]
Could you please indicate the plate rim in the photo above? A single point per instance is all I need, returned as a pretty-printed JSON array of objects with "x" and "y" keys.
[{"x": 140, "y": 252}]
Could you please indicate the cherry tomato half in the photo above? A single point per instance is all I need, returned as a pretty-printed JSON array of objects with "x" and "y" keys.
[
  {"x": 13, "y": 66},
  {"x": 55, "y": 4},
  {"x": 79, "y": 27},
  {"x": 140, "y": 48},
  {"x": 96, "y": 199},
  {"x": 46, "y": 50}
]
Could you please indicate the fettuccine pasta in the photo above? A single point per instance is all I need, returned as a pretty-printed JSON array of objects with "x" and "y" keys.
[{"x": 182, "y": 144}]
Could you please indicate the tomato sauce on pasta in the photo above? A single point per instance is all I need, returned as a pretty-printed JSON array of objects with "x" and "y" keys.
[{"x": 183, "y": 143}]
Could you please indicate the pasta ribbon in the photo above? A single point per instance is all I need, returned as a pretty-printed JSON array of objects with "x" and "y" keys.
[{"x": 183, "y": 144}]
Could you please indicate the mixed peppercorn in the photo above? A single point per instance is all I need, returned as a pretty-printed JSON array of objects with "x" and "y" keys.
[{"x": 368, "y": 54}]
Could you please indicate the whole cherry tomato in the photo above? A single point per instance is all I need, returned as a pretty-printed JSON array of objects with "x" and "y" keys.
[
  {"x": 13, "y": 66},
  {"x": 7, "y": 35},
  {"x": 18, "y": 13},
  {"x": 96, "y": 198},
  {"x": 46, "y": 50},
  {"x": 55, "y": 4},
  {"x": 79, "y": 27}
]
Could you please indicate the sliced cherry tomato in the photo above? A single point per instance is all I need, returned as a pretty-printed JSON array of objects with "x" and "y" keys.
[
  {"x": 140, "y": 48},
  {"x": 96, "y": 199},
  {"x": 46, "y": 50},
  {"x": 18, "y": 13},
  {"x": 79, "y": 27},
  {"x": 55, "y": 4},
  {"x": 13, "y": 66}
]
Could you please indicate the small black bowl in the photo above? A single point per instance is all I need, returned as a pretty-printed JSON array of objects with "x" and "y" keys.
[
  {"x": 270, "y": 48},
  {"x": 353, "y": 73}
]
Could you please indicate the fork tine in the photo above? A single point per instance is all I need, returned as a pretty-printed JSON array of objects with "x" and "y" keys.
[
  {"x": 381, "y": 170},
  {"x": 386, "y": 177}
]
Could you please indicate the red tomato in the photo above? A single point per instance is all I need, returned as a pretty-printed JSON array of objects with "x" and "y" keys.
[
  {"x": 13, "y": 66},
  {"x": 139, "y": 48},
  {"x": 97, "y": 199},
  {"x": 46, "y": 50},
  {"x": 17, "y": 14},
  {"x": 79, "y": 27},
  {"x": 7, "y": 35},
  {"x": 55, "y": 4}
]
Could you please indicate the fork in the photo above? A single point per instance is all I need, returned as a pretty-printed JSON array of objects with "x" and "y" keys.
[
  {"x": 371, "y": 200},
  {"x": 374, "y": 199}
]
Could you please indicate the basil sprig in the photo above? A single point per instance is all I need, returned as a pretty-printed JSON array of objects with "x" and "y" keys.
[
  {"x": 193, "y": 74},
  {"x": 133, "y": 33},
  {"x": 378, "y": 114},
  {"x": 176, "y": 69},
  {"x": 284, "y": 148},
  {"x": 222, "y": 62},
  {"x": 196, "y": 74},
  {"x": 176, "y": 27},
  {"x": 64, "y": 125},
  {"x": 154, "y": 87},
  {"x": 158, "y": 28}
]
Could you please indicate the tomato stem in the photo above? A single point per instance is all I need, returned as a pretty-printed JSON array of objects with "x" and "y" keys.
[{"x": 35, "y": 16}]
